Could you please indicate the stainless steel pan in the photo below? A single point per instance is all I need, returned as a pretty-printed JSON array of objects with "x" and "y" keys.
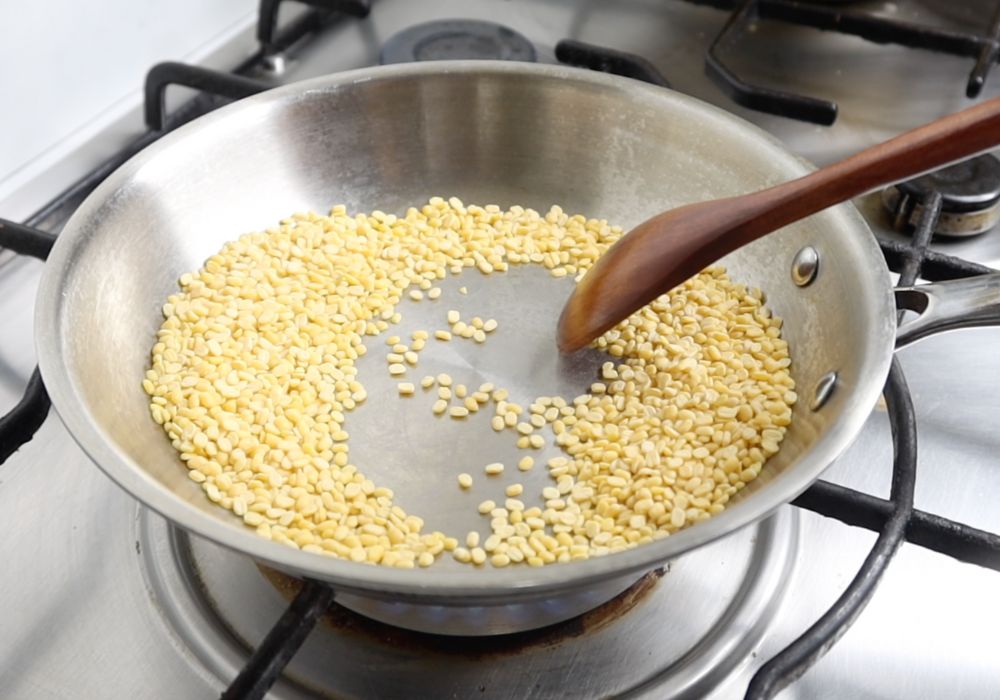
[{"x": 504, "y": 133}]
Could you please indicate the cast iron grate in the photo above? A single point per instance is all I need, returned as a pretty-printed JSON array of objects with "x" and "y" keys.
[
  {"x": 894, "y": 518},
  {"x": 983, "y": 47}
]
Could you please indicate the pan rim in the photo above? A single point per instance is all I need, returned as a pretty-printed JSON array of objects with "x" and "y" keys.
[{"x": 501, "y": 585}]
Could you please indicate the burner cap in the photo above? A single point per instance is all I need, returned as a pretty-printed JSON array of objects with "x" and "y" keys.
[
  {"x": 457, "y": 39},
  {"x": 970, "y": 193},
  {"x": 970, "y": 186}
]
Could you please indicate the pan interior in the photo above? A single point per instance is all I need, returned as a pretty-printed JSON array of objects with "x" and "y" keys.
[{"x": 391, "y": 138}]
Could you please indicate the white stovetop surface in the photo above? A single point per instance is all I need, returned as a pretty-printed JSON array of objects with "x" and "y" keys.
[{"x": 72, "y": 80}]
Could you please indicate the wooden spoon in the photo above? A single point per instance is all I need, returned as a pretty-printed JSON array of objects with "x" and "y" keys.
[{"x": 667, "y": 249}]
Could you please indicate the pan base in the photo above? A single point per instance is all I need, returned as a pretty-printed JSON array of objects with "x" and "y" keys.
[{"x": 677, "y": 632}]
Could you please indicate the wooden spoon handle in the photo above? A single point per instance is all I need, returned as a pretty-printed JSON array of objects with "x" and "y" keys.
[
  {"x": 670, "y": 247},
  {"x": 913, "y": 153}
]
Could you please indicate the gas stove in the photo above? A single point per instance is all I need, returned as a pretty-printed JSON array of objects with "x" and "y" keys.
[{"x": 103, "y": 598}]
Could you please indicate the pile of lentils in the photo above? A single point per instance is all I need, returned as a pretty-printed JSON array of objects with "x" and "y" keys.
[{"x": 253, "y": 374}]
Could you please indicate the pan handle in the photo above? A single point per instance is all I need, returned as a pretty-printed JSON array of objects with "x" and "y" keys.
[{"x": 945, "y": 306}]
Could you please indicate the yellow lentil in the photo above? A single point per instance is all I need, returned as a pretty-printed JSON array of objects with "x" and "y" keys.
[{"x": 696, "y": 396}]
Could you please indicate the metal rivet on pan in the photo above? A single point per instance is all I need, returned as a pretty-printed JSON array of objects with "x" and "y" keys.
[
  {"x": 824, "y": 390},
  {"x": 805, "y": 265}
]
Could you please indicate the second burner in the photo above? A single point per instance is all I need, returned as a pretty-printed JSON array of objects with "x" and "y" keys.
[{"x": 457, "y": 39}]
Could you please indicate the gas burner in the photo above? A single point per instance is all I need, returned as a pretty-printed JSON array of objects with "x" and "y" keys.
[
  {"x": 457, "y": 39},
  {"x": 682, "y": 631},
  {"x": 970, "y": 193}
]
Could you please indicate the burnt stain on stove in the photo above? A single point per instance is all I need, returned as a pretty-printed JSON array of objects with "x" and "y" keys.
[{"x": 343, "y": 621}]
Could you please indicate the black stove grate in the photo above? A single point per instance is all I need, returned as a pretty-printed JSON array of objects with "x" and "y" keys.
[
  {"x": 279, "y": 646},
  {"x": 600, "y": 58},
  {"x": 983, "y": 46},
  {"x": 894, "y": 518},
  {"x": 807, "y": 649},
  {"x": 270, "y": 38}
]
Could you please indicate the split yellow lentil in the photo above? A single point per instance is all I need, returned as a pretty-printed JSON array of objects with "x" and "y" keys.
[{"x": 253, "y": 374}]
